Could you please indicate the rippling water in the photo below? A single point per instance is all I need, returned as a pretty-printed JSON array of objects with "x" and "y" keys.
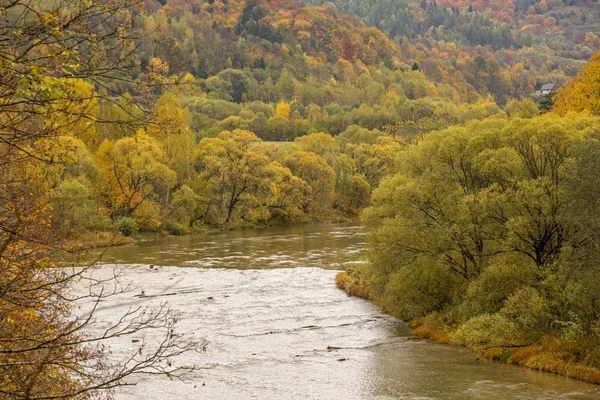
[
  {"x": 323, "y": 246},
  {"x": 278, "y": 328}
]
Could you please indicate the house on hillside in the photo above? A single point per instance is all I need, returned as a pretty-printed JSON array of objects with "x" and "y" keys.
[
  {"x": 543, "y": 96},
  {"x": 548, "y": 88}
]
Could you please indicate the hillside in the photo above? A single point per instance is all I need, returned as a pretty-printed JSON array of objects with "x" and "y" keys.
[
  {"x": 240, "y": 59},
  {"x": 503, "y": 48},
  {"x": 204, "y": 38}
]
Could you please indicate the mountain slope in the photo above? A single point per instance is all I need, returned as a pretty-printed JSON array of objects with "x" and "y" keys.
[{"x": 503, "y": 48}]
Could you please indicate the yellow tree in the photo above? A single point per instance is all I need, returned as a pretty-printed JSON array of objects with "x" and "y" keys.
[
  {"x": 75, "y": 112},
  {"x": 283, "y": 109},
  {"x": 290, "y": 194},
  {"x": 170, "y": 127},
  {"x": 133, "y": 173},
  {"x": 315, "y": 171},
  {"x": 583, "y": 92},
  {"x": 48, "y": 48}
]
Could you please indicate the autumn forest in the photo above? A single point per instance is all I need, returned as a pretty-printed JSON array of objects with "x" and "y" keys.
[{"x": 425, "y": 120}]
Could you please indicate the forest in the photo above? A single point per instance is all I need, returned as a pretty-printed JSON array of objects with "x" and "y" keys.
[
  {"x": 506, "y": 255},
  {"x": 480, "y": 204},
  {"x": 308, "y": 126}
]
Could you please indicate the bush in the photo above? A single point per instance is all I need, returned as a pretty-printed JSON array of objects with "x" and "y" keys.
[
  {"x": 413, "y": 292},
  {"x": 353, "y": 283},
  {"x": 176, "y": 229},
  {"x": 147, "y": 216},
  {"x": 593, "y": 358},
  {"x": 127, "y": 226},
  {"x": 489, "y": 329},
  {"x": 530, "y": 312},
  {"x": 487, "y": 293}
]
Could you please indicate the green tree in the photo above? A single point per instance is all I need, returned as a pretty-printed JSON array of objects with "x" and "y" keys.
[
  {"x": 315, "y": 171},
  {"x": 488, "y": 225},
  {"x": 285, "y": 85},
  {"x": 235, "y": 168}
]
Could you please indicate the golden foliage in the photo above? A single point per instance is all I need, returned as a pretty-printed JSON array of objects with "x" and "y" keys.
[
  {"x": 283, "y": 109},
  {"x": 583, "y": 92},
  {"x": 351, "y": 283}
]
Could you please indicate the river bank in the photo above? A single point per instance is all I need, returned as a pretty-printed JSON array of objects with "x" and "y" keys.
[
  {"x": 548, "y": 354},
  {"x": 97, "y": 240}
]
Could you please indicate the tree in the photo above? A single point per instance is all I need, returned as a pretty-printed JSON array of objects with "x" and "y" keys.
[
  {"x": 374, "y": 161},
  {"x": 522, "y": 109},
  {"x": 134, "y": 173},
  {"x": 492, "y": 226},
  {"x": 235, "y": 168},
  {"x": 75, "y": 98},
  {"x": 291, "y": 194},
  {"x": 581, "y": 93},
  {"x": 285, "y": 85},
  {"x": 283, "y": 109},
  {"x": 170, "y": 127},
  {"x": 315, "y": 171},
  {"x": 49, "y": 48}
]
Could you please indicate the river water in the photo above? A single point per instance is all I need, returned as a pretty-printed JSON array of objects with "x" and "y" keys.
[{"x": 276, "y": 327}]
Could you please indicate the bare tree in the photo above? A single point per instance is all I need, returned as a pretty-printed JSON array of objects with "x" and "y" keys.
[{"x": 46, "y": 351}]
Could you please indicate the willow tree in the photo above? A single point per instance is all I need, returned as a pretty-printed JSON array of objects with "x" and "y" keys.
[
  {"x": 494, "y": 225},
  {"x": 47, "y": 49}
]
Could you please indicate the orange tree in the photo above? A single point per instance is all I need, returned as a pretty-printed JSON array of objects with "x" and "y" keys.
[{"x": 47, "y": 46}]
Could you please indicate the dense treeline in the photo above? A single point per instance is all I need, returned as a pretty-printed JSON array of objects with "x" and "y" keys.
[
  {"x": 504, "y": 48},
  {"x": 202, "y": 162},
  {"x": 489, "y": 231},
  {"x": 256, "y": 71},
  {"x": 499, "y": 206},
  {"x": 492, "y": 230},
  {"x": 259, "y": 41},
  {"x": 160, "y": 178}
]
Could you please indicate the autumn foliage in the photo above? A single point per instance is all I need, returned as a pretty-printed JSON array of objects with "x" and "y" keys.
[{"x": 583, "y": 92}]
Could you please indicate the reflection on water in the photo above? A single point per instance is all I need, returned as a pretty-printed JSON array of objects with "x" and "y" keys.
[
  {"x": 288, "y": 333},
  {"x": 421, "y": 370}
]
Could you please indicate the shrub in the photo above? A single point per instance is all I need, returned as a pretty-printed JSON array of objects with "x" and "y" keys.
[
  {"x": 176, "y": 229},
  {"x": 127, "y": 226},
  {"x": 498, "y": 282},
  {"x": 147, "y": 216},
  {"x": 489, "y": 329},
  {"x": 352, "y": 282},
  {"x": 529, "y": 311}
]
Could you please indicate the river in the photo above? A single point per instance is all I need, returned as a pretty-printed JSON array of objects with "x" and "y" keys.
[{"x": 276, "y": 327}]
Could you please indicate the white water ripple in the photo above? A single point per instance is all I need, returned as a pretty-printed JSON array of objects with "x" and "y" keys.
[{"x": 291, "y": 334}]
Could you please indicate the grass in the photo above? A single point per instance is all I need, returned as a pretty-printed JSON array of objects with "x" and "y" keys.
[
  {"x": 548, "y": 354},
  {"x": 431, "y": 328},
  {"x": 557, "y": 357},
  {"x": 352, "y": 283},
  {"x": 93, "y": 240}
]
